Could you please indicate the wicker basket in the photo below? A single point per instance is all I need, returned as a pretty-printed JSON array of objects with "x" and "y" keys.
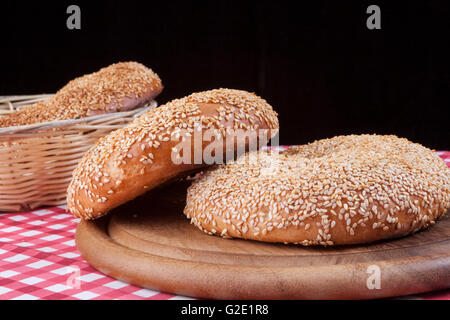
[{"x": 36, "y": 161}]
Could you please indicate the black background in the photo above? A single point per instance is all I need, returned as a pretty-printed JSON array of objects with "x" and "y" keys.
[{"x": 315, "y": 62}]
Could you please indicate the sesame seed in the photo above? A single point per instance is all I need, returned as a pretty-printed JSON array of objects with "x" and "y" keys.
[
  {"x": 128, "y": 146},
  {"x": 356, "y": 182},
  {"x": 99, "y": 92}
]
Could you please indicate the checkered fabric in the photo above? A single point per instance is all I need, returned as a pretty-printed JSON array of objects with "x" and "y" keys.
[{"x": 39, "y": 260}]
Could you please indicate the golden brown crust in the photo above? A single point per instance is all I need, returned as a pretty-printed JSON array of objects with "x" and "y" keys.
[
  {"x": 345, "y": 190},
  {"x": 137, "y": 158},
  {"x": 119, "y": 87}
]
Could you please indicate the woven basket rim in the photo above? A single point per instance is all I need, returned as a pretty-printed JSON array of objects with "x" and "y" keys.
[
  {"x": 36, "y": 165},
  {"x": 65, "y": 123},
  {"x": 25, "y": 97}
]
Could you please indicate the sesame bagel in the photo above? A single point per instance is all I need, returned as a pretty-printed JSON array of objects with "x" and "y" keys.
[
  {"x": 143, "y": 155},
  {"x": 344, "y": 190},
  {"x": 119, "y": 87}
]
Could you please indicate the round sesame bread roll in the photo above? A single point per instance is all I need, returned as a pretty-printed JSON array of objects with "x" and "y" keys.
[
  {"x": 119, "y": 87},
  {"x": 147, "y": 153},
  {"x": 344, "y": 190}
]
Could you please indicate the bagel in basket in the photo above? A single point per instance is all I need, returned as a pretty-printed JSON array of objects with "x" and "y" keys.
[
  {"x": 344, "y": 190},
  {"x": 130, "y": 161},
  {"x": 120, "y": 87}
]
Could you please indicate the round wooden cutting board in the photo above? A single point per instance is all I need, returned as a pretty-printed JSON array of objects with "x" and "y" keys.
[{"x": 150, "y": 243}]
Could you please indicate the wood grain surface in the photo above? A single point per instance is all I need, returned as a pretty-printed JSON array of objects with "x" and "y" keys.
[{"x": 149, "y": 242}]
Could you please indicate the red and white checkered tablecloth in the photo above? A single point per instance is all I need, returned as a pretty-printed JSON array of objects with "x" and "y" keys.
[{"x": 39, "y": 260}]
